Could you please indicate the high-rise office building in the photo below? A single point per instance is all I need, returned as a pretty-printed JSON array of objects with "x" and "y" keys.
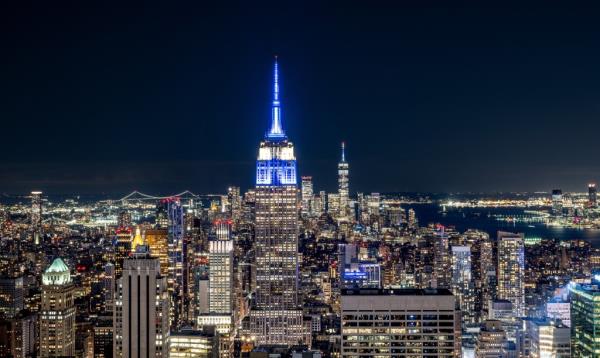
[
  {"x": 462, "y": 282},
  {"x": 122, "y": 247},
  {"x": 11, "y": 296},
  {"x": 158, "y": 242},
  {"x": 557, "y": 202},
  {"x": 307, "y": 195},
  {"x": 36, "y": 216},
  {"x": 57, "y": 314},
  {"x": 412, "y": 219},
  {"x": 18, "y": 336},
  {"x": 343, "y": 184},
  {"x": 490, "y": 340},
  {"x": 592, "y": 195},
  {"x": 399, "y": 323},
  {"x": 141, "y": 316},
  {"x": 483, "y": 270},
  {"x": 221, "y": 270},
  {"x": 188, "y": 343},
  {"x": 235, "y": 203},
  {"x": 557, "y": 309},
  {"x": 442, "y": 277},
  {"x": 220, "y": 313},
  {"x": 549, "y": 339},
  {"x": 585, "y": 320},
  {"x": 103, "y": 338},
  {"x": 177, "y": 277},
  {"x": 124, "y": 219},
  {"x": 275, "y": 317},
  {"x": 108, "y": 286},
  {"x": 333, "y": 204},
  {"x": 511, "y": 270}
]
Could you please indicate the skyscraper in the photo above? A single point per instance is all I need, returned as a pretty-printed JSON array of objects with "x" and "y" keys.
[
  {"x": 36, "y": 216},
  {"x": 462, "y": 282},
  {"x": 57, "y": 315},
  {"x": 177, "y": 279},
  {"x": 235, "y": 203},
  {"x": 549, "y": 339},
  {"x": 220, "y": 283},
  {"x": 343, "y": 185},
  {"x": 307, "y": 194},
  {"x": 557, "y": 202},
  {"x": 11, "y": 296},
  {"x": 141, "y": 317},
  {"x": 592, "y": 195},
  {"x": 122, "y": 243},
  {"x": 585, "y": 321},
  {"x": 511, "y": 270},
  {"x": 124, "y": 219},
  {"x": 275, "y": 317}
]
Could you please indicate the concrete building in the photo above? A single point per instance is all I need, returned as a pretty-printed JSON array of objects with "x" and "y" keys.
[
  {"x": 549, "y": 339},
  {"x": 403, "y": 322},
  {"x": 11, "y": 296},
  {"x": 463, "y": 286},
  {"x": 141, "y": 315},
  {"x": 57, "y": 314},
  {"x": 188, "y": 343},
  {"x": 511, "y": 270}
]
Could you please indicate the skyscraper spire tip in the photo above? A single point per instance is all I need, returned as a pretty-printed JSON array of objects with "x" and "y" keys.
[{"x": 276, "y": 130}]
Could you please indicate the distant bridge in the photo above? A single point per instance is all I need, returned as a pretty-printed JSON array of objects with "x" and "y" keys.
[{"x": 136, "y": 196}]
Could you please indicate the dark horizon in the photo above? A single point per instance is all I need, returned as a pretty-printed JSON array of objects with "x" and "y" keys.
[{"x": 428, "y": 97}]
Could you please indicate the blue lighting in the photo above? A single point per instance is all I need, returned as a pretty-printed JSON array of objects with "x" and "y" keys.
[
  {"x": 276, "y": 131},
  {"x": 276, "y": 172},
  {"x": 355, "y": 275}
]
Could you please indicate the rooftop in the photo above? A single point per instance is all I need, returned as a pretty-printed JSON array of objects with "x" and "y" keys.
[{"x": 396, "y": 292}]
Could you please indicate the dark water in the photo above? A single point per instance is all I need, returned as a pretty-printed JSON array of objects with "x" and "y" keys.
[{"x": 477, "y": 218}]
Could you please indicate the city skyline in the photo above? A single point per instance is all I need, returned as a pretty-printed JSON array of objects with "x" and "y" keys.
[
  {"x": 417, "y": 94},
  {"x": 280, "y": 270}
]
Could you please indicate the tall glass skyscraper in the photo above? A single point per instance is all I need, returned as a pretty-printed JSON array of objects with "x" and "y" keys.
[
  {"x": 585, "y": 320},
  {"x": 275, "y": 317},
  {"x": 343, "y": 187}
]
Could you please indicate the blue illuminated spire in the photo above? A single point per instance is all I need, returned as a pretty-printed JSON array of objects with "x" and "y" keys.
[
  {"x": 276, "y": 130},
  {"x": 343, "y": 152}
]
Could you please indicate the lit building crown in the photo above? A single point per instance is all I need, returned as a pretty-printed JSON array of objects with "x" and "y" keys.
[
  {"x": 57, "y": 274},
  {"x": 276, "y": 131},
  {"x": 276, "y": 164}
]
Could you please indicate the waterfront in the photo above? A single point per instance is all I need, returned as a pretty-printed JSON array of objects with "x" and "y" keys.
[{"x": 484, "y": 219}]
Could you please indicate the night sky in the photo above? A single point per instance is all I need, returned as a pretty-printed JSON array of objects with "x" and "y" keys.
[{"x": 437, "y": 98}]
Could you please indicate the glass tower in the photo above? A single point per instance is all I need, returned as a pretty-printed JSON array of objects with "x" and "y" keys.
[
  {"x": 585, "y": 320},
  {"x": 343, "y": 170}
]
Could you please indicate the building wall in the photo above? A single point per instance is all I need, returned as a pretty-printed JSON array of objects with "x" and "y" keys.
[{"x": 392, "y": 323}]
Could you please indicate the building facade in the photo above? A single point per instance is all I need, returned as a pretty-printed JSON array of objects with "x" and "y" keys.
[
  {"x": 141, "y": 315},
  {"x": 549, "y": 339},
  {"x": 343, "y": 183},
  {"x": 57, "y": 314},
  {"x": 462, "y": 282},
  {"x": 511, "y": 270},
  {"x": 275, "y": 317},
  {"x": 585, "y": 320},
  {"x": 397, "y": 323}
]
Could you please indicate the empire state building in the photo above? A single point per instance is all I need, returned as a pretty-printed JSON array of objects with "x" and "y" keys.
[{"x": 275, "y": 317}]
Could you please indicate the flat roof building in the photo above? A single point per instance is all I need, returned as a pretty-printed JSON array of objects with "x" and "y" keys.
[{"x": 391, "y": 323}]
